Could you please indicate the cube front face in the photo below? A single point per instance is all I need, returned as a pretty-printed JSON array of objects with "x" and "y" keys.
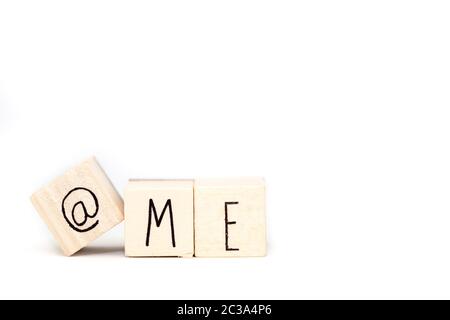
[
  {"x": 159, "y": 218},
  {"x": 230, "y": 218},
  {"x": 79, "y": 206}
]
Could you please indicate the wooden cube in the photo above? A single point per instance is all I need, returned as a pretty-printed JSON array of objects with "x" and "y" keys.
[
  {"x": 79, "y": 206},
  {"x": 159, "y": 218},
  {"x": 230, "y": 217}
]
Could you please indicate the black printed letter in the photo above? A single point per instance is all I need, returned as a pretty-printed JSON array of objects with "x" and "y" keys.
[
  {"x": 87, "y": 204},
  {"x": 151, "y": 210}
]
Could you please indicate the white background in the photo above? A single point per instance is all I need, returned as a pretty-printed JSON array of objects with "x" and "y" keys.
[{"x": 343, "y": 106}]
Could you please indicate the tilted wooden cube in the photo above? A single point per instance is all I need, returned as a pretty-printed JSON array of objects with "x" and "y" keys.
[
  {"x": 230, "y": 217},
  {"x": 79, "y": 206},
  {"x": 159, "y": 218}
]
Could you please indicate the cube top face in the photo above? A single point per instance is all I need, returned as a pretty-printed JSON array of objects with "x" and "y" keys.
[
  {"x": 79, "y": 206},
  {"x": 159, "y": 218},
  {"x": 230, "y": 182},
  {"x": 230, "y": 217}
]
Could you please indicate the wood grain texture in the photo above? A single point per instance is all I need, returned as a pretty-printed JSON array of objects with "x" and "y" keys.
[
  {"x": 79, "y": 206},
  {"x": 230, "y": 217},
  {"x": 159, "y": 218}
]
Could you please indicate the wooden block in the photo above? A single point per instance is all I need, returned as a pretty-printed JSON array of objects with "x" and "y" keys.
[
  {"x": 79, "y": 206},
  {"x": 159, "y": 218},
  {"x": 230, "y": 217}
]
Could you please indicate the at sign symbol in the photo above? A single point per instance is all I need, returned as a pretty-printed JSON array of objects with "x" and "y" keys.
[{"x": 80, "y": 207}]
